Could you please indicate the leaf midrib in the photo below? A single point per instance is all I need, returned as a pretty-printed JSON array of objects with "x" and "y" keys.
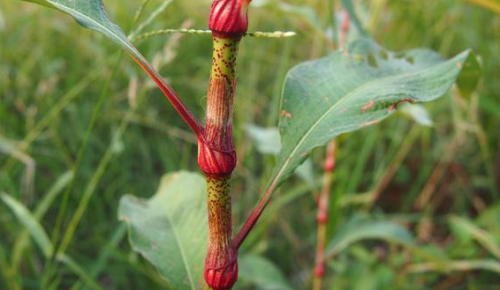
[{"x": 182, "y": 250}]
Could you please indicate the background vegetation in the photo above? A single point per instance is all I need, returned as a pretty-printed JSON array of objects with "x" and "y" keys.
[{"x": 80, "y": 126}]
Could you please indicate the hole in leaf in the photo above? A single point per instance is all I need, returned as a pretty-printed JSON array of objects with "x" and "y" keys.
[
  {"x": 410, "y": 59},
  {"x": 359, "y": 58},
  {"x": 400, "y": 55},
  {"x": 383, "y": 54},
  {"x": 372, "y": 61}
]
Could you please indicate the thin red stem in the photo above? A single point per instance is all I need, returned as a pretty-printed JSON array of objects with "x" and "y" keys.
[
  {"x": 322, "y": 217},
  {"x": 254, "y": 217},
  {"x": 324, "y": 199},
  {"x": 344, "y": 32},
  {"x": 171, "y": 95}
]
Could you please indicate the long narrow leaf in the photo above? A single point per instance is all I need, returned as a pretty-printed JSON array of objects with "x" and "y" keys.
[{"x": 29, "y": 221}]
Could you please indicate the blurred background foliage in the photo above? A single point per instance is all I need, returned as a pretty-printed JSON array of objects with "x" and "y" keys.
[{"x": 413, "y": 207}]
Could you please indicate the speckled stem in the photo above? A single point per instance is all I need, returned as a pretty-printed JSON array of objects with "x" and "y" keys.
[
  {"x": 221, "y": 265},
  {"x": 217, "y": 159}
]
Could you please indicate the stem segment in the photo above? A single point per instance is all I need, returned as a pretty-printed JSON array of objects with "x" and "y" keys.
[
  {"x": 216, "y": 154},
  {"x": 217, "y": 159},
  {"x": 221, "y": 264},
  {"x": 322, "y": 217}
]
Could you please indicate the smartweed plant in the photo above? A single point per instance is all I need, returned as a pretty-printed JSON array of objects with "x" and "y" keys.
[{"x": 356, "y": 86}]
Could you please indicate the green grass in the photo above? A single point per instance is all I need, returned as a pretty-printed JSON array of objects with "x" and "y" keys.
[{"x": 65, "y": 101}]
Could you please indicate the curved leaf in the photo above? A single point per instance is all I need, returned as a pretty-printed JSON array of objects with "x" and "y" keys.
[
  {"x": 352, "y": 89},
  {"x": 483, "y": 237},
  {"x": 31, "y": 224},
  {"x": 359, "y": 229},
  {"x": 170, "y": 229},
  {"x": 91, "y": 14}
]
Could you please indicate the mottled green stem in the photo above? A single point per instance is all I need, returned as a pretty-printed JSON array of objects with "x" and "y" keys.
[
  {"x": 221, "y": 266},
  {"x": 217, "y": 158},
  {"x": 219, "y": 119}
]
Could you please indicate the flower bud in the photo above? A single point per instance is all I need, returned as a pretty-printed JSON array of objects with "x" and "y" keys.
[{"x": 229, "y": 18}]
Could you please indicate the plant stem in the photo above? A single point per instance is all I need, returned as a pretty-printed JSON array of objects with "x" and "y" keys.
[
  {"x": 324, "y": 198},
  {"x": 171, "y": 95},
  {"x": 254, "y": 216},
  {"x": 322, "y": 217},
  {"x": 221, "y": 266},
  {"x": 217, "y": 159},
  {"x": 216, "y": 153}
]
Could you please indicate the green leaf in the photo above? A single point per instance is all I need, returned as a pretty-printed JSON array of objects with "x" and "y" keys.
[
  {"x": 170, "y": 229},
  {"x": 92, "y": 15},
  {"x": 469, "y": 79},
  {"x": 262, "y": 272},
  {"x": 42, "y": 207},
  {"x": 352, "y": 89},
  {"x": 358, "y": 229},
  {"x": 31, "y": 224},
  {"x": 483, "y": 237}
]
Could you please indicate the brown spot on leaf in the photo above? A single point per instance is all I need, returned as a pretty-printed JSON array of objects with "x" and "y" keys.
[
  {"x": 367, "y": 106},
  {"x": 373, "y": 122},
  {"x": 286, "y": 114},
  {"x": 383, "y": 54},
  {"x": 372, "y": 61},
  {"x": 359, "y": 58},
  {"x": 395, "y": 105}
]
